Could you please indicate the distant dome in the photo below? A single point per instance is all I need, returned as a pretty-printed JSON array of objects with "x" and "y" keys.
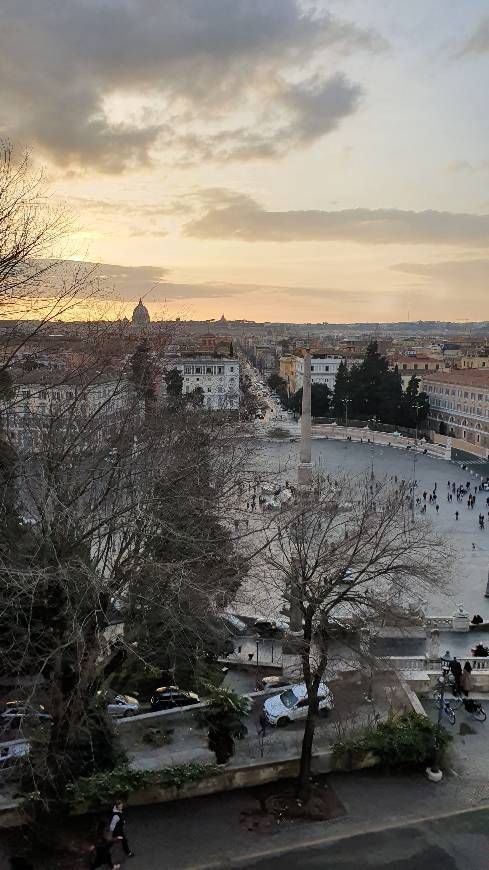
[{"x": 140, "y": 315}]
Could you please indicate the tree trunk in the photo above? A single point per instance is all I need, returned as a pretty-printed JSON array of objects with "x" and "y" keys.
[{"x": 303, "y": 782}]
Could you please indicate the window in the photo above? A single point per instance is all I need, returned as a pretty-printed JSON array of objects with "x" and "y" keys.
[
  {"x": 209, "y": 389},
  {"x": 198, "y": 370},
  {"x": 208, "y": 370},
  {"x": 326, "y": 368},
  {"x": 188, "y": 370},
  {"x": 312, "y": 368},
  {"x": 220, "y": 370},
  {"x": 232, "y": 368},
  {"x": 26, "y": 394}
]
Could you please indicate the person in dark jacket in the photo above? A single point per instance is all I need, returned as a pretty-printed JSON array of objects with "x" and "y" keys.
[
  {"x": 456, "y": 669},
  {"x": 117, "y": 827},
  {"x": 102, "y": 850}
]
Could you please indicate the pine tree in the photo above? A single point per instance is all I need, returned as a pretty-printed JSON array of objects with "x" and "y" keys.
[{"x": 342, "y": 390}]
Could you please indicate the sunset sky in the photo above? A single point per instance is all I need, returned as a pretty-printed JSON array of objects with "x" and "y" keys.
[{"x": 325, "y": 160}]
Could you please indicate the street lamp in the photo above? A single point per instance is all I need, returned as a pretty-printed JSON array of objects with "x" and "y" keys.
[
  {"x": 417, "y": 406},
  {"x": 346, "y": 402},
  {"x": 373, "y": 421},
  {"x": 434, "y": 773}
]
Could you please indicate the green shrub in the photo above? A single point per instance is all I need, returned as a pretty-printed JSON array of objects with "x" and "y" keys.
[
  {"x": 102, "y": 789},
  {"x": 406, "y": 740}
]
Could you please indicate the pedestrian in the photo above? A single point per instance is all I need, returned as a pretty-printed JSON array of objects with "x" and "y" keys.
[
  {"x": 437, "y": 508},
  {"x": 453, "y": 486},
  {"x": 466, "y": 679},
  {"x": 424, "y": 496},
  {"x": 117, "y": 827},
  {"x": 456, "y": 669},
  {"x": 102, "y": 850},
  {"x": 456, "y": 515},
  {"x": 448, "y": 484}
]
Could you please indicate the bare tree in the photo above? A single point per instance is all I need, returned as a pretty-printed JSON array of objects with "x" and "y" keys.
[{"x": 348, "y": 557}]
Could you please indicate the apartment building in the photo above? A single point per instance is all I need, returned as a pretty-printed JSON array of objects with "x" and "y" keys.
[
  {"x": 408, "y": 366},
  {"x": 42, "y": 399},
  {"x": 459, "y": 398},
  {"x": 323, "y": 370},
  {"x": 217, "y": 377}
]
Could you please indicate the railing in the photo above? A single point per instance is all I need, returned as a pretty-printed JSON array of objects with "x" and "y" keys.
[
  {"x": 439, "y": 622},
  {"x": 421, "y": 663}
]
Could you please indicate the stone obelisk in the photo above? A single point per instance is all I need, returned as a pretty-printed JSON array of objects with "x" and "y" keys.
[{"x": 304, "y": 471}]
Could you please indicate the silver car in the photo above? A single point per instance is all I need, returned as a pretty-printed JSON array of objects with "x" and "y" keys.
[{"x": 122, "y": 706}]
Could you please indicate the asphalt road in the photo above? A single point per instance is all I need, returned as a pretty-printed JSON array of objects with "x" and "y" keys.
[{"x": 454, "y": 843}]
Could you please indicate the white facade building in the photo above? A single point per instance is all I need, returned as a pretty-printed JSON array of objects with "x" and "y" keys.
[
  {"x": 217, "y": 377},
  {"x": 323, "y": 370},
  {"x": 42, "y": 397}
]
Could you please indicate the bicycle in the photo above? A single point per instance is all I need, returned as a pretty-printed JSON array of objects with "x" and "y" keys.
[
  {"x": 475, "y": 709},
  {"x": 446, "y": 707}
]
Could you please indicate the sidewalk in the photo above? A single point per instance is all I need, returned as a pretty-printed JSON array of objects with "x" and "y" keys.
[{"x": 207, "y": 833}]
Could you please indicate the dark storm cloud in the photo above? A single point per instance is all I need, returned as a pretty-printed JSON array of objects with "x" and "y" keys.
[
  {"x": 180, "y": 64},
  {"x": 239, "y": 217}
]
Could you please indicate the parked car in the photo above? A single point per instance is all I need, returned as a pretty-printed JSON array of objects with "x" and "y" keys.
[
  {"x": 267, "y": 627},
  {"x": 13, "y": 754},
  {"x": 270, "y": 684},
  {"x": 171, "y": 697},
  {"x": 122, "y": 706},
  {"x": 292, "y": 704},
  {"x": 17, "y": 710}
]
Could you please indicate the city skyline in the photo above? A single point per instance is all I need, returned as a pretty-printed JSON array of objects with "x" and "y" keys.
[{"x": 278, "y": 161}]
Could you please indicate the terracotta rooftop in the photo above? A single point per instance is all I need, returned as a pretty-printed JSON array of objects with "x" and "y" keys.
[{"x": 464, "y": 377}]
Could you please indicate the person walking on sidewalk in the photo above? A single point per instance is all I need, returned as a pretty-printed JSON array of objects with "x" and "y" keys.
[
  {"x": 117, "y": 827},
  {"x": 466, "y": 679},
  {"x": 102, "y": 850}
]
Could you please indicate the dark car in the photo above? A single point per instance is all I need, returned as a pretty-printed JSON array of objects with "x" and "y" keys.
[
  {"x": 171, "y": 697},
  {"x": 15, "y": 712},
  {"x": 267, "y": 628}
]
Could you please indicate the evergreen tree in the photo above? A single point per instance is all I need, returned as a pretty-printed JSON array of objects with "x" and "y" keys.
[
  {"x": 372, "y": 372},
  {"x": 174, "y": 384},
  {"x": 391, "y": 398},
  {"x": 320, "y": 400},
  {"x": 342, "y": 390},
  {"x": 143, "y": 373},
  {"x": 415, "y": 405}
]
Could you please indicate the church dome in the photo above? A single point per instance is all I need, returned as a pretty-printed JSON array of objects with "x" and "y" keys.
[{"x": 140, "y": 315}]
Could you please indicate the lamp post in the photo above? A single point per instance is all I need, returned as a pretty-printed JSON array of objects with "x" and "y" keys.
[
  {"x": 374, "y": 423},
  {"x": 346, "y": 402},
  {"x": 434, "y": 773},
  {"x": 417, "y": 406}
]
